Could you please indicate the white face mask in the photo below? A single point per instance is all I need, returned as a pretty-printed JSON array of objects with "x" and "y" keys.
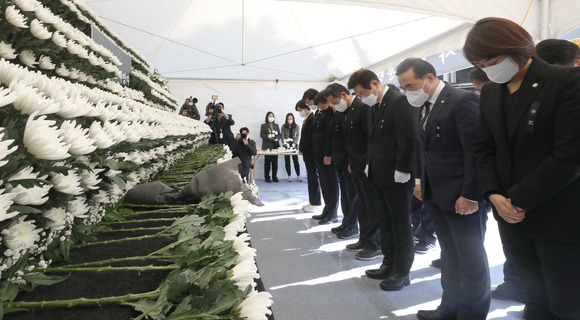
[
  {"x": 302, "y": 113},
  {"x": 290, "y": 121},
  {"x": 341, "y": 106},
  {"x": 418, "y": 97},
  {"x": 369, "y": 100},
  {"x": 312, "y": 106},
  {"x": 503, "y": 71},
  {"x": 271, "y": 119}
]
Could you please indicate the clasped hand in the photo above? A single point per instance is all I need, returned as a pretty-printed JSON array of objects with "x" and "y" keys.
[{"x": 506, "y": 209}]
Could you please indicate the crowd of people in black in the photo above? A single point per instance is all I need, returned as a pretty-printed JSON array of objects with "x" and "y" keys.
[{"x": 428, "y": 162}]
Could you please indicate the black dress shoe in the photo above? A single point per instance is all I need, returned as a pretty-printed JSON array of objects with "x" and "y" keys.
[
  {"x": 436, "y": 263},
  {"x": 275, "y": 180},
  {"x": 382, "y": 272},
  {"x": 338, "y": 229},
  {"x": 508, "y": 291},
  {"x": 267, "y": 180},
  {"x": 395, "y": 282},
  {"x": 355, "y": 247},
  {"x": 328, "y": 220},
  {"x": 318, "y": 217},
  {"x": 438, "y": 314}
]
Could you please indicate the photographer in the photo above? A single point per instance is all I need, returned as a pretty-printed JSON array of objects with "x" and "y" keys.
[
  {"x": 220, "y": 123},
  {"x": 189, "y": 109},
  {"x": 244, "y": 148}
]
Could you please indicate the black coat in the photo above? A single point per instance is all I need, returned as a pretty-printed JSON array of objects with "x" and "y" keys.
[
  {"x": 338, "y": 142},
  {"x": 221, "y": 130},
  {"x": 265, "y": 130},
  {"x": 446, "y": 149},
  {"x": 536, "y": 164},
  {"x": 245, "y": 153},
  {"x": 356, "y": 135},
  {"x": 307, "y": 135},
  {"x": 322, "y": 130},
  {"x": 391, "y": 138}
]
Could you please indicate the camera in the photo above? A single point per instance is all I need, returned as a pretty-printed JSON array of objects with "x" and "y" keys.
[{"x": 244, "y": 136}]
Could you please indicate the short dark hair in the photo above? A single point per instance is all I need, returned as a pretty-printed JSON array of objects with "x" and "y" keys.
[
  {"x": 309, "y": 94},
  {"x": 421, "y": 68},
  {"x": 242, "y": 129},
  {"x": 493, "y": 37},
  {"x": 320, "y": 98},
  {"x": 558, "y": 51},
  {"x": 335, "y": 89},
  {"x": 301, "y": 105},
  {"x": 362, "y": 77},
  {"x": 268, "y": 114},
  {"x": 477, "y": 74}
]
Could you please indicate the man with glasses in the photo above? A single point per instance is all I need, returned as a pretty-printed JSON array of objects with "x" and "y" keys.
[
  {"x": 446, "y": 126},
  {"x": 391, "y": 139}
]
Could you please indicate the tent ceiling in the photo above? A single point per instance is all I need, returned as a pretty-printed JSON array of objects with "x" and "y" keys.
[{"x": 303, "y": 40}]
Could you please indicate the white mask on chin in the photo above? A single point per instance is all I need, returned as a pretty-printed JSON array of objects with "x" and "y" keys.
[
  {"x": 503, "y": 71},
  {"x": 341, "y": 106}
]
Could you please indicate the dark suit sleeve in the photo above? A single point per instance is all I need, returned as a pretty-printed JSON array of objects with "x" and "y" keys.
[
  {"x": 252, "y": 147},
  {"x": 485, "y": 153},
  {"x": 405, "y": 134},
  {"x": 562, "y": 167},
  {"x": 264, "y": 131},
  {"x": 466, "y": 113},
  {"x": 230, "y": 121},
  {"x": 329, "y": 128}
]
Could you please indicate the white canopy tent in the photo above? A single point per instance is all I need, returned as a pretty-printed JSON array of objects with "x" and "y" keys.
[{"x": 260, "y": 55}]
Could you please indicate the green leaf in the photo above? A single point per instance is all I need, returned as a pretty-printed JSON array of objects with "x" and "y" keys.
[
  {"x": 24, "y": 209},
  {"x": 40, "y": 279}
]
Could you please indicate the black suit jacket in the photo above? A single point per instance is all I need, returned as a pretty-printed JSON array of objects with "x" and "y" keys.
[
  {"x": 307, "y": 135},
  {"x": 391, "y": 138},
  {"x": 337, "y": 141},
  {"x": 446, "y": 149},
  {"x": 244, "y": 152},
  {"x": 268, "y": 143},
  {"x": 356, "y": 135},
  {"x": 322, "y": 129},
  {"x": 536, "y": 161},
  {"x": 221, "y": 130}
]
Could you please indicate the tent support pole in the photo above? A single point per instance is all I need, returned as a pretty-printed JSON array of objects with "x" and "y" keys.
[
  {"x": 243, "y": 32},
  {"x": 545, "y": 20}
]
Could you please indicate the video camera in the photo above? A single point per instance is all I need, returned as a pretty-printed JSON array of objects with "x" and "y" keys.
[{"x": 214, "y": 109}]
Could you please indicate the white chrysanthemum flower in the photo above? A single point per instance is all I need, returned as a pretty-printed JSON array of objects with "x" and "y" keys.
[
  {"x": 114, "y": 132},
  {"x": 45, "y": 15},
  {"x": 115, "y": 192},
  {"x": 90, "y": 179},
  {"x": 36, "y": 195},
  {"x": 243, "y": 249},
  {"x": 93, "y": 59},
  {"x": 29, "y": 100},
  {"x": 74, "y": 73},
  {"x": 73, "y": 48},
  {"x": 244, "y": 274},
  {"x": 256, "y": 306},
  {"x": 78, "y": 207},
  {"x": 101, "y": 137},
  {"x": 5, "y": 203},
  {"x": 26, "y": 5},
  {"x": 74, "y": 107},
  {"x": 101, "y": 197},
  {"x": 46, "y": 63},
  {"x": 77, "y": 137},
  {"x": 28, "y": 58},
  {"x": 111, "y": 173},
  {"x": 39, "y": 31},
  {"x": 6, "y": 51},
  {"x": 59, "y": 39},
  {"x": 57, "y": 217},
  {"x": 69, "y": 184},
  {"x": 43, "y": 140},
  {"x": 62, "y": 71},
  {"x": 4, "y": 148},
  {"x": 15, "y": 18},
  {"x": 21, "y": 235}
]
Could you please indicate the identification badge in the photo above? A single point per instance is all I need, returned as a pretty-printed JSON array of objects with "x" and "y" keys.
[
  {"x": 367, "y": 170},
  {"x": 221, "y": 135}
]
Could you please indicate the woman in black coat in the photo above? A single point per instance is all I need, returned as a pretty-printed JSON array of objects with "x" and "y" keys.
[
  {"x": 528, "y": 162},
  {"x": 270, "y": 134}
]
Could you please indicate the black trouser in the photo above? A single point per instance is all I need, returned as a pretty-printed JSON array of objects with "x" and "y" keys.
[
  {"x": 296, "y": 164},
  {"x": 510, "y": 275},
  {"x": 312, "y": 178},
  {"x": 244, "y": 170},
  {"x": 329, "y": 187},
  {"x": 270, "y": 161},
  {"x": 348, "y": 198},
  {"x": 394, "y": 219},
  {"x": 464, "y": 267},
  {"x": 549, "y": 273},
  {"x": 369, "y": 236}
]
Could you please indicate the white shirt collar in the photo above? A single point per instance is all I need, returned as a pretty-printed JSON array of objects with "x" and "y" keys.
[
  {"x": 437, "y": 92},
  {"x": 384, "y": 92}
]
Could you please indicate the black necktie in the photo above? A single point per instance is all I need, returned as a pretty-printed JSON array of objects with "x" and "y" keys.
[{"x": 424, "y": 114}]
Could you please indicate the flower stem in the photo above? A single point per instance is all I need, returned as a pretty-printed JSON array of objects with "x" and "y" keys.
[
  {"x": 82, "y": 301},
  {"x": 109, "y": 268},
  {"x": 117, "y": 260},
  {"x": 109, "y": 223},
  {"x": 82, "y": 245},
  {"x": 131, "y": 230}
]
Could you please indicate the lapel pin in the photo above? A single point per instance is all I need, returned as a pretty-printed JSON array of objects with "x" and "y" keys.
[
  {"x": 535, "y": 85},
  {"x": 442, "y": 101}
]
